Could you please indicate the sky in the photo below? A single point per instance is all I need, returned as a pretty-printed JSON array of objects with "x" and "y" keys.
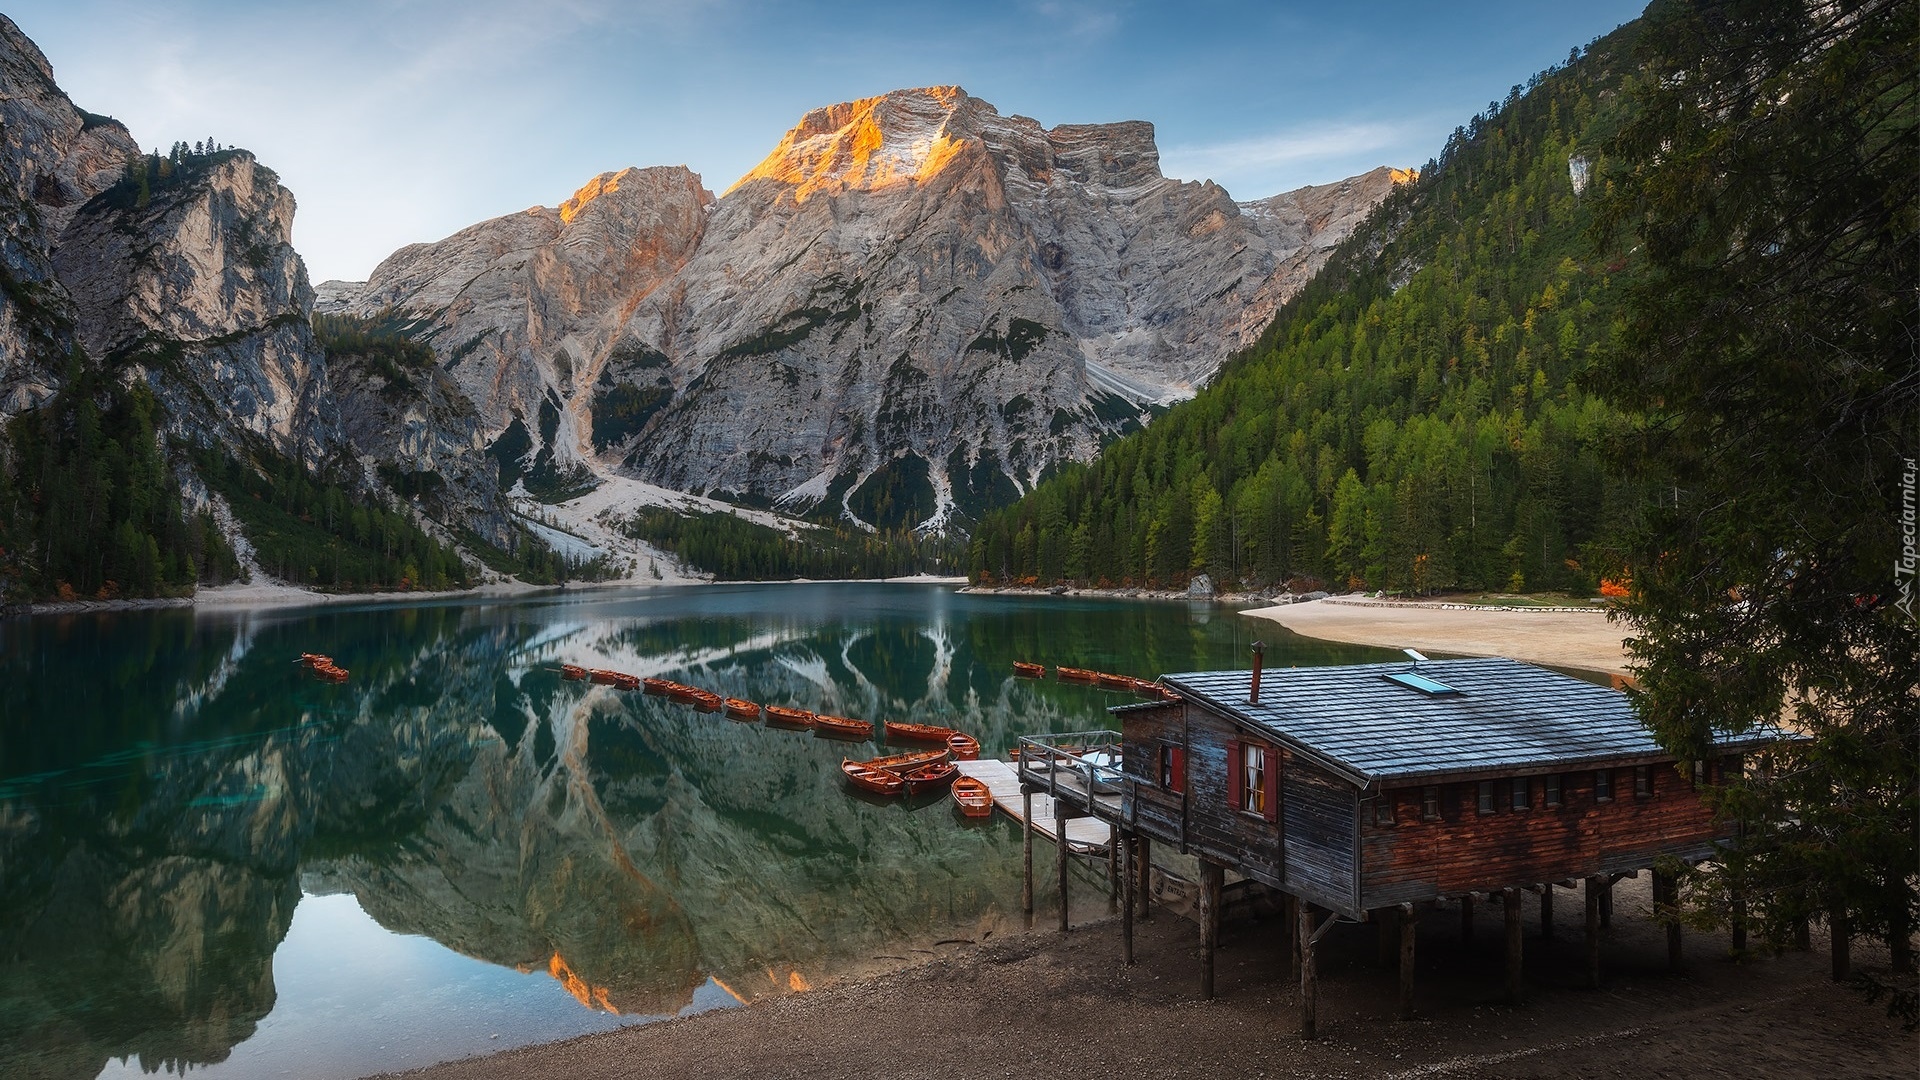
[{"x": 407, "y": 120}]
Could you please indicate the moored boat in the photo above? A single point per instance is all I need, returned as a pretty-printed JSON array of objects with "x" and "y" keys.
[
  {"x": 898, "y": 731},
  {"x": 841, "y": 727},
  {"x": 863, "y": 775},
  {"x": 656, "y": 686},
  {"x": 706, "y": 700},
  {"x": 681, "y": 692},
  {"x": 902, "y": 762},
  {"x": 972, "y": 797},
  {"x": 1109, "y": 681},
  {"x": 330, "y": 671},
  {"x": 781, "y": 716},
  {"x": 314, "y": 660},
  {"x": 1029, "y": 671},
  {"x": 931, "y": 775},
  {"x": 572, "y": 672},
  {"x": 1074, "y": 674},
  {"x": 963, "y": 746},
  {"x": 741, "y": 709}
]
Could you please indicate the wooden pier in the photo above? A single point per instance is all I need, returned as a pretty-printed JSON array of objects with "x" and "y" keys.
[{"x": 1085, "y": 835}]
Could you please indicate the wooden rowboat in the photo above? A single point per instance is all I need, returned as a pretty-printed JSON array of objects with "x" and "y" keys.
[
  {"x": 972, "y": 797},
  {"x": 841, "y": 727},
  {"x": 864, "y": 776},
  {"x": 314, "y": 660},
  {"x": 657, "y": 686},
  {"x": 931, "y": 775},
  {"x": 906, "y": 762},
  {"x": 741, "y": 709},
  {"x": 780, "y": 716},
  {"x": 681, "y": 692},
  {"x": 572, "y": 672},
  {"x": 926, "y": 733},
  {"x": 330, "y": 672},
  {"x": 1029, "y": 671},
  {"x": 1074, "y": 674},
  {"x": 706, "y": 701},
  {"x": 963, "y": 746},
  {"x": 1114, "y": 682}
]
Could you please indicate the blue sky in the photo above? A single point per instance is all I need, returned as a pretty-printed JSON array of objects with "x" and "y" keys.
[{"x": 404, "y": 121}]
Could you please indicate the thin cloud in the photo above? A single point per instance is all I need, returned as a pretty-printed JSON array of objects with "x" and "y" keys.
[{"x": 1284, "y": 150}]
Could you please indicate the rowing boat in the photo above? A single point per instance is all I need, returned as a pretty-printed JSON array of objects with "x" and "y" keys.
[
  {"x": 963, "y": 746},
  {"x": 932, "y": 774},
  {"x": 742, "y": 710},
  {"x": 901, "y": 762},
  {"x": 1029, "y": 671},
  {"x": 864, "y": 776},
  {"x": 706, "y": 700},
  {"x": 572, "y": 672},
  {"x": 927, "y": 733},
  {"x": 780, "y": 716},
  {"x": 1114, "y": 682},
  {"x": 972, "y": 797},
  {"x": 656, "y": 686},
  {"x": 841, "y": 727},
  {"x": 1074, "y": 674}
]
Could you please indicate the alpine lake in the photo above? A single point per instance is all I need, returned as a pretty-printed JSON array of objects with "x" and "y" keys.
[{"x": 213, "y": 862}]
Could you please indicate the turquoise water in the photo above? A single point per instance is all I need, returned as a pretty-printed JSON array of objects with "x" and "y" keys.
[{"x": 211, "y": 862}]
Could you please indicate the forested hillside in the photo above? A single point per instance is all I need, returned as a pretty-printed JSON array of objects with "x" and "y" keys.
[{"x": 1412, "y": 421}]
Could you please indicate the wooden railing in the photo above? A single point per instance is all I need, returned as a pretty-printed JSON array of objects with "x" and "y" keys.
[{"x": 1091, "y": 757}]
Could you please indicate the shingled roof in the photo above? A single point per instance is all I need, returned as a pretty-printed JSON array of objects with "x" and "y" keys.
[{"x": 1501, "y": 715}]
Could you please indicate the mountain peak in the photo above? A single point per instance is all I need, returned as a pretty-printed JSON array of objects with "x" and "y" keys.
[{"x": 872, "y": 143}]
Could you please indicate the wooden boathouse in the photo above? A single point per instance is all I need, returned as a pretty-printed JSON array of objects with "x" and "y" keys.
[{"x": 1368, "y": 793}]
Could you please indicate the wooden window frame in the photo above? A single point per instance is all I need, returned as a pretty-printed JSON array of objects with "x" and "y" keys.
[
  {"x": 1384, "y": 808},
  {"x": 1520, "y": 794},
  {"x": 1487, "y": 803},
  {"x": 1602, "y": 785},
  {"x": 1643, "y": 781},
  {"x": 1555, "y": 791},
  {"x": 1265, "y": 803},
  {"x": 1430, "y": 803}
]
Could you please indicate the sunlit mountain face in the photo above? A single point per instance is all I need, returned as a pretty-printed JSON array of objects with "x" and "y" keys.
[{"x": 178, "y": 798}]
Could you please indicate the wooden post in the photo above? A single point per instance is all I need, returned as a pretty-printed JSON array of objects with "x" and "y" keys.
[
  {"x": 1060, "y": 847},
  {"x": 1466, "y": 917},
  {"x": 1026, "y": 839},
  {"x": 1127, "y": 878},
  {"x": 1546, "y": 911},
  {"x": 1606, "y": 904},
  {"x": 1737, "y": 922},
  {"x": 1309, "y": 973},
  {"x": 1840, "y": 933},
  {"x": 1666, "y": 908},
  {"x": 1143, "y": 853},
  {"x": 1387, "y": 936},
  {"x": 1511, "y": 901},
  {"x": 1291, "y": 914},
  {"x": 1113, "y": 865},
  {"x": 1595, "y": 885},
  {"x": 1211, "y": 876},
  {"x": 1406, "y": 920}
]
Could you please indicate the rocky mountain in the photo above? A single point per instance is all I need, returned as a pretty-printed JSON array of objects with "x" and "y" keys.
[{"x": 914, "y": 306}]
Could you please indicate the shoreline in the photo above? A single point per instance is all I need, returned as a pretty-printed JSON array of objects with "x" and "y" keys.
[{"x": 1555, "y": 637}]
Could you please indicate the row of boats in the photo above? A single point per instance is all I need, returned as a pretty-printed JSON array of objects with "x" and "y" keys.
[
  {"x": 891, "y": 775},
  {"x": 322, "y": 666},
  {"x": 1145, "y": 688}
]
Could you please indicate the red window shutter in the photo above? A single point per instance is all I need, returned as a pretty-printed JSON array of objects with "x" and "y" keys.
[
  {"x": 1235, "y": 774},
  {"x": 1272, "y": 767},
  {"x": 1179, "y": 768}
]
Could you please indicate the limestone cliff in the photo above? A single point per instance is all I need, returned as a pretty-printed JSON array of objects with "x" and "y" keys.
[{"x": 912, "y": 307}]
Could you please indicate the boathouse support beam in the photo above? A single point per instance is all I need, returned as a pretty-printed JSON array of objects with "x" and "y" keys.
[
  {"x": 1143, "y": 872},
  {"x": 1026, "y": 838},
  {"x": 1290, "y": 914},
  {"x": 1466, "y": 918},
  {"x": 1212, "y": 879},
  {"x": 1407, "y": 925},
  {"x": 1128, "y": 855},
  {"x": 1060, "y": 850},
  {"x": 1516, "y": 989},
  {"x": 1595, "y": 886},
  {"x": 1113, "y": 864},
  {"x": 1666, "y": 909},
  {"x": 1309, "y": 937},
  {"x": 1546, "y": 912}
]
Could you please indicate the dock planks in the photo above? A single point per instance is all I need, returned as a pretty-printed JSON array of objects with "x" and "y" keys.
[{"x": 1084, "y": 834}]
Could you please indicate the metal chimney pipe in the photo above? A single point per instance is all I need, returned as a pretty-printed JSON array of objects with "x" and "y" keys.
[{"x": 1259, "y": 658}]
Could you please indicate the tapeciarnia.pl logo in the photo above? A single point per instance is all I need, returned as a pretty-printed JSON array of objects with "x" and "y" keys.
[{"x": 1903, "y": 567}]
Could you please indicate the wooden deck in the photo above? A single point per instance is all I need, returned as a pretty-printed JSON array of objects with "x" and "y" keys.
[{"x": 1085, "y": 835}]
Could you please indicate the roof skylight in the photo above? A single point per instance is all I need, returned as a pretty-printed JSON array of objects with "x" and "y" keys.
[{"x": 1416, "y": 681}]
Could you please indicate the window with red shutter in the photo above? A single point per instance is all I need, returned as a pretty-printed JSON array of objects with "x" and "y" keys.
[
  {"x": 1270, "y": 808},
  {"x": 1179, "y": 768},
  {"x": 1234, "y": 769}
]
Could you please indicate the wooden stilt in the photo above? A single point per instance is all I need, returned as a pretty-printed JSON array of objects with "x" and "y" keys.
[
  {"x": 1466, "y": 917},
  {"x": 1026, "y": 841},
  {"x": 1737, "y": 922},
  {"x": 1309, "y": 974},
  {"x": 1060, "y": 847},
  {"x": 1595, "y": 885},
  {"x": 1211, "y": 876},
  {"x": 1387, "y": 936},
  {"x": 1143, "y": 849},
  {"x": 1606, "y": 905},
  {"x": 1127, "y": 879},
  {"x": 1546, "y": 911},
  {"x": 1113, "y": 865},
  {"x": 1666, "y": 908},
  {"x": 1840, "y": 934},
  {"x": 1291, "y": 907},
  {"x": 1406, "y": 920},
  {"x": 1515, "y": 990}
]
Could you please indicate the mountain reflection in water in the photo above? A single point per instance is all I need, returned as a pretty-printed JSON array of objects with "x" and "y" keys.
[{"x": 171, "y": 784}]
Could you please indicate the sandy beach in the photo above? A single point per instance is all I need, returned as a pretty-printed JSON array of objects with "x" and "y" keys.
[
  {"x": 1559, "y": 638},
  {"x": 1036, "y": 1003}
]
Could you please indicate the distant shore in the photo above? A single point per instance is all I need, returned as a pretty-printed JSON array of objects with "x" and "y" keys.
[{"x": 1558, "y": 637}]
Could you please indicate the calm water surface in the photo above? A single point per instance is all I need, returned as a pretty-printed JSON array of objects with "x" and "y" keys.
[{"x": 212, "y": 863}]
